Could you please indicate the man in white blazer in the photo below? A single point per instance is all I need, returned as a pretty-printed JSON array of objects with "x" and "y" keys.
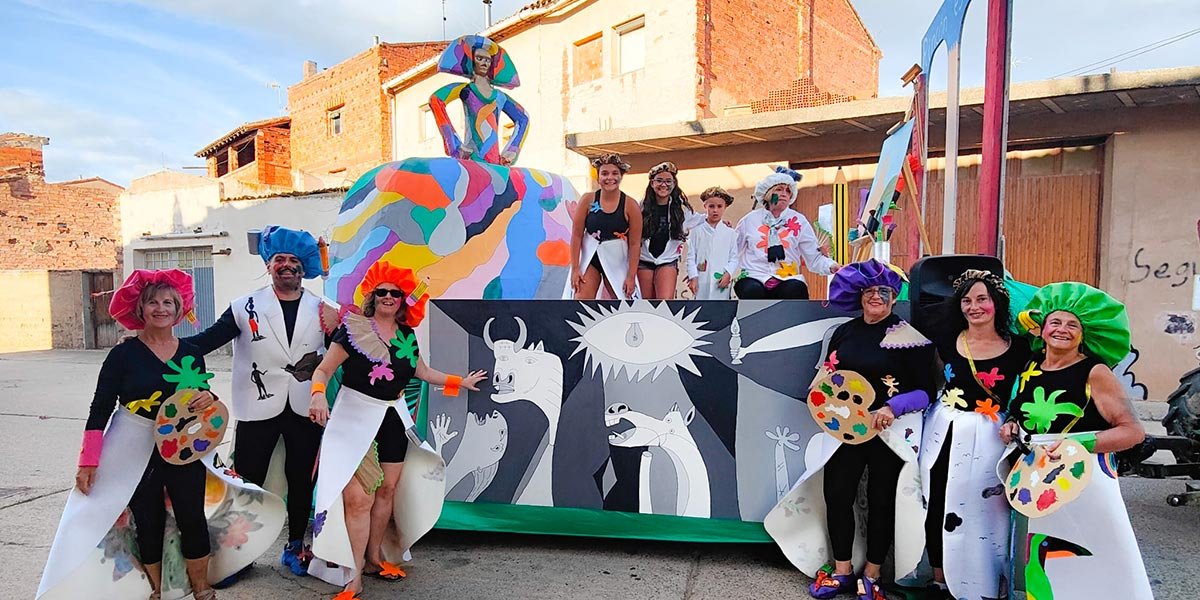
[{"x": 277, "y": 343}]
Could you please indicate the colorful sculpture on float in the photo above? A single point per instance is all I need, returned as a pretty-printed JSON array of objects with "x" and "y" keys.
[{"x": 469, "y": 224}]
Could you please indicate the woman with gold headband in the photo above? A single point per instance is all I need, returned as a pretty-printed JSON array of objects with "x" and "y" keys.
[
  {"x": 1069, "y": 416},
  {"x": 966, "y": 527},
  {"x": 606, "y": 236},
  {"x": 666, "y": 220},
  {"x": 366, "y": 439}
]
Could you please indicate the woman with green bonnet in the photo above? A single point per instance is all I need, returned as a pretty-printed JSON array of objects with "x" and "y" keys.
[{"x": 1069, "y": 402}]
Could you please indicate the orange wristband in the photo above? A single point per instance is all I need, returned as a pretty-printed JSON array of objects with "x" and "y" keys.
[
  {"x": 318, "y": 387},
  {"x": 452, "y": 385}
]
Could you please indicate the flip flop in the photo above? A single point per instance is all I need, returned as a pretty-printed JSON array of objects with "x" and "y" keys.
[
  {"x": 387, "y": 572},
  {"x": 347, "y": 595}
]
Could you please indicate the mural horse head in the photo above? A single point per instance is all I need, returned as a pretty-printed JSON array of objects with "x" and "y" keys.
[{"x": 632, "y": 429}]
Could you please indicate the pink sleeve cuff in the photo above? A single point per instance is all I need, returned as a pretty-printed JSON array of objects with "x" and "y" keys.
[{"x": 89, "y": 454}]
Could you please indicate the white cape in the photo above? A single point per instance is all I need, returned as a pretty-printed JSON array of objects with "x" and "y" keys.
[
  {"x": 419, "y": 494},
  {"x": 94, "y": 548},
  {"x": 614, "y": 259},
  {"x": 975, "y": 551},
  {"x": 1096, "y": 521},
  {"x": 797, "y": 523}
]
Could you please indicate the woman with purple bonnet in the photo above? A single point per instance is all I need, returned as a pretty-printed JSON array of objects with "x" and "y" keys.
[{"x": 897, "y": 363}]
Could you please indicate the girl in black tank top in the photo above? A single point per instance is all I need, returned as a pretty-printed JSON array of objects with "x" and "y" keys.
[{"x": 606, "y": 226}]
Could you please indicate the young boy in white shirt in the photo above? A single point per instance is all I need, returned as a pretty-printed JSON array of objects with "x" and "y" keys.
[{"x": 712, "y": 249}]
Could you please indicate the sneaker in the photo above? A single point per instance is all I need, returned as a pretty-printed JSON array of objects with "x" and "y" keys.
[
  {"x": 295, "y": 557},
  {"x": 868, "y": 589},
  {"x": 828, "y": 585}
]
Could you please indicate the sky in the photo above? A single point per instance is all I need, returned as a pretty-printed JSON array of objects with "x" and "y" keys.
[{"x": 124, "y": 88}]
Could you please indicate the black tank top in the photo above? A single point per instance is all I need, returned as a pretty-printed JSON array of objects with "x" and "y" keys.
[
  {"x": 969, "y": 392},
  {"x": 662, "y": 227},
  {"x": 1048, "y": 401},
  {"x": 608, "y": 225}
]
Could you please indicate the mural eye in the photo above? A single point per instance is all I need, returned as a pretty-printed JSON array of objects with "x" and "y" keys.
[{"x": 639, "y": 339}]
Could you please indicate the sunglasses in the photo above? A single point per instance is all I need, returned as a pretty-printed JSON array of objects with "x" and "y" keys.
[{"x": 392, "y": 293}]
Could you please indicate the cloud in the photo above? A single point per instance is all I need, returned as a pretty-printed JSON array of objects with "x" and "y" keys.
[
  {"x": 84, "y": 142},
  {"x": 153, "y": 41},
  {"x": 333, "y": 30}
]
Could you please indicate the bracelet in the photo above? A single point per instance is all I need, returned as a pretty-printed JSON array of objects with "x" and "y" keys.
[
  {"x": 1087, "y": 440},
  {"x": 318, "y": 387},
  {"x": 452, "y": 385},
  {"x": 89, "y": 451}
]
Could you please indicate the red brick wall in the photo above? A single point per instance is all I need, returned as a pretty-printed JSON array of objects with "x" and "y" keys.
[
  {"x": 753, "y": 47},
  {"x": 59, "y": 226},
  {"x": 273, "y": 154},
  {"x": 800, "y": 94},
  {"x": 356, "y": 85},
  {"x": 749, "y": 47},
  {"x": 843, "y": 59}
]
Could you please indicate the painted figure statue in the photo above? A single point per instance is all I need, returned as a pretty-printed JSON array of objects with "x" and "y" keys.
[
  {"x": 487, "y": 67},
  {"x": 470, "y": 224}
]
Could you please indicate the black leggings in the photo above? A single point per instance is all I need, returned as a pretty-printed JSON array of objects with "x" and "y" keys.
[
  {"x": 185, "y": 486},
  {"x": 938, "y": 476},
  {"x": 842, "y": 475},
  {"x": 253, "y": 445},
  {"x": 749, "y": 288}
]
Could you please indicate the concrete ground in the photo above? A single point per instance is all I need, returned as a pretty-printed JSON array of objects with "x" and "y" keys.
[{"x": 44, "y": 398}]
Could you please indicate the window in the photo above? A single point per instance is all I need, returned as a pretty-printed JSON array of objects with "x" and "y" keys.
[
  {"x": 631, "y": 45},
  {"x": 222, "y": 162},
  {"x": 335, "y": 121},
  {"x": 428, "y": 127},
  {"x": 586, "y": 60},
  {"x": 245, "y": 153}
]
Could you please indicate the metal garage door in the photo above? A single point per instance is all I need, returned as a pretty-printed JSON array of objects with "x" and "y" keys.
[{"x": 198, "y": 262}]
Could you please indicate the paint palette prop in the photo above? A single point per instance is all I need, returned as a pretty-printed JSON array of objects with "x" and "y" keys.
[
  {"x": 1038, "y": 486},
  {"x": 840, "y": 403},
  {"x": 183, "y": 436}
]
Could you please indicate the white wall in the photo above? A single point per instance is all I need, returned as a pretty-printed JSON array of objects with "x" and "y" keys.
[{"x": 175, "y": 203}]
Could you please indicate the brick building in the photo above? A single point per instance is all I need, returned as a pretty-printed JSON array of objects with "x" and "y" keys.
[
  {"x": 58, "y": 244},
  {"x": 340, "y": 123},
  {"x": 254, "y": 159}
]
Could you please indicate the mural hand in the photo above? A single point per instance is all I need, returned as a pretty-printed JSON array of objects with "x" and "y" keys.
[{"x": 440, "y": 429}]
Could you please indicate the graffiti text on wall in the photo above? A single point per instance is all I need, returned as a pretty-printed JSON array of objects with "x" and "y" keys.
[{"x": 1177, "y": 272}]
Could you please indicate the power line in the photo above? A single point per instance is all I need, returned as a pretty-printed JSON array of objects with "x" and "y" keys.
[{"x": 1128, "y": 54}]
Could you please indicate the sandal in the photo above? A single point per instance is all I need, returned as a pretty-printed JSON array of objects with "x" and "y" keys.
[
  {"x": 868, "y": 589},
  {"x": 828, "y": 584},
  {"x": 347, "y": 595},
  {"x": 387, "y": 572},
  {"x": 209, "y": 594}
]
